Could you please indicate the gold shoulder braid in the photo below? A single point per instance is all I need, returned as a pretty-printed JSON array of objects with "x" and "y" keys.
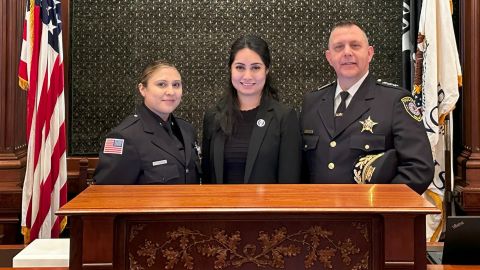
[{"x": 363, "y": 170}]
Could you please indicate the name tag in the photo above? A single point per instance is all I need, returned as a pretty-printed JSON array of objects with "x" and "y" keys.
[
  {"x": 159, "y": 162},
  {"x": 308, "y": 131}
]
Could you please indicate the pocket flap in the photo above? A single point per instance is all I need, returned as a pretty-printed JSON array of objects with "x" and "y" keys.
[
  {"x": 161, "y": 174},
  {"x": 310, "y": 142},
  {"x": 368, "y": 142}
]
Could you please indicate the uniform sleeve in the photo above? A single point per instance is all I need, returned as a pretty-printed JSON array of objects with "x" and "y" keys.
[
  {"x": 415, "y": 161},
  {"x": 206, "y": 137},
  {"x": 118, "y": 169},
  {"x": 289, "y": 160}
]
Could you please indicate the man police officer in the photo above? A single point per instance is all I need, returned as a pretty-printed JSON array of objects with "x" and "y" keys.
[{"x": 358, "y": 130}]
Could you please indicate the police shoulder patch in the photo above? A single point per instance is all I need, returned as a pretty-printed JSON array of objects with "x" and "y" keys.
[
  {"x": 113, "y": 146},
  {"x": 411, "y": 108}
]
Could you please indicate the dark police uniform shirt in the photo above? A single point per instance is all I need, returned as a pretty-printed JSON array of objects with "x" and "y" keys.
[
  {"x": 379, "y": 117},
  {"x": 141, "y": 150}
]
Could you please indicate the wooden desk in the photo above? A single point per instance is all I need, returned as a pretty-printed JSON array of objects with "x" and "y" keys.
[
  {"x": 452, "y": 267},
  {"x": 429, "y": 267},
  {"x": 249, "y": 226},
  {"x": 36, "y": 268}
]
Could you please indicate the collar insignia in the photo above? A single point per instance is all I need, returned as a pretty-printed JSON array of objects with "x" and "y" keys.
[{"x": 367, "y": 124}]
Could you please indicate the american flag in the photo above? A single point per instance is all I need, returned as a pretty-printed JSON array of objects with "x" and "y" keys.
[
  {"x": 41, "y": 73},
  {"x": 113, "y": 146}
]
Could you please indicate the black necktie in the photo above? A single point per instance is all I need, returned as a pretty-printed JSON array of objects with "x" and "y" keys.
[
  {"x": 168, "y": 125},
  {"x": 343, "y": 104},
  {"x": 341, "y": 108}
]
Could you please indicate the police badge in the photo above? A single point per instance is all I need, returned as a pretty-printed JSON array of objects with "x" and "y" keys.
[{"x": 367, "y": 124}]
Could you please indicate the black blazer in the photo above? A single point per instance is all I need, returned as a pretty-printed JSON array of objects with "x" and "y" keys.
[
  {"x": 330, "y": 153},
  {"x": 149, "y": 155},
  {"x": 274, "y": 153}
]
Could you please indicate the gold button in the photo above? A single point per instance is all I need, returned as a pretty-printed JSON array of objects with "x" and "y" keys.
[
  {"x": 367, "y": 146},
  {"x": 331, "y": 166},
  {"x": 333, "y": 143}
]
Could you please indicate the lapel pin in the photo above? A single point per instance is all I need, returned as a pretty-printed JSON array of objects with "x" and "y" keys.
[
  {"x": 260, "y": 122},
  {"x": 367, "y": 124}
]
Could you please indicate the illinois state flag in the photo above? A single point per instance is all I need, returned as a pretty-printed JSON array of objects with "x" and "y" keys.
[
  {"x": 437, "y": 79},
  {"x": 41, "y": 74}
]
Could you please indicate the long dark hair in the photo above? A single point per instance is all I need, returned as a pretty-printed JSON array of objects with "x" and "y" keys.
[{"x": 229, "y": 108}]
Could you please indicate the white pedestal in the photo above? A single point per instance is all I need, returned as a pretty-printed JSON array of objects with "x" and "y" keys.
[{"x": 44, "y": 253}]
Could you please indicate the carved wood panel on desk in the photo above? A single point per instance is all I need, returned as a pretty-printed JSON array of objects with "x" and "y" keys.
[
  {"x": 246, "y": 241},
  {"x": 104, "y": 217}
]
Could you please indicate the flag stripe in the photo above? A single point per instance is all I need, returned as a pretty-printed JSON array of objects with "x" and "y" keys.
[
  {"x": 47, "y": 188},
  {"x": 25, "y": 55},
  {"x": 50, "y": 179},
  {"x": 32, "y": 80}
]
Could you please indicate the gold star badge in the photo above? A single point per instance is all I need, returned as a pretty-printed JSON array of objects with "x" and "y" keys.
[{"x": 367, "y": 124}]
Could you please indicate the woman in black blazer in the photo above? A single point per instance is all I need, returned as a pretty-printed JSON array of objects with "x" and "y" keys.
[{"x": 249, "y": 137}]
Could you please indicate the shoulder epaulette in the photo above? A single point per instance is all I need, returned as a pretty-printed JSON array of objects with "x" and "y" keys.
[
  {"x": 325, "y": 86},
  {"x": 180, "y": 118},
  {"x": 389, "y": 84},
  {"x": 130, "y": 120}
]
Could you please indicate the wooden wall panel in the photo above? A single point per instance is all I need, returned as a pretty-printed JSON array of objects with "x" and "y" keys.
[
  {"x": 12, "y": 99},
  {"x": 3, "y": 73},
  {"x": 12, "y": 102},
  {"x": 468, "y": 163}
]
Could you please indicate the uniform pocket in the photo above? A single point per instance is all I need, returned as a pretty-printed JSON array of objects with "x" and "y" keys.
[
  {"x": 368, "y": 143},
  {"x": 310, "y": 142},
  {"x": 161, "y": 174}
]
